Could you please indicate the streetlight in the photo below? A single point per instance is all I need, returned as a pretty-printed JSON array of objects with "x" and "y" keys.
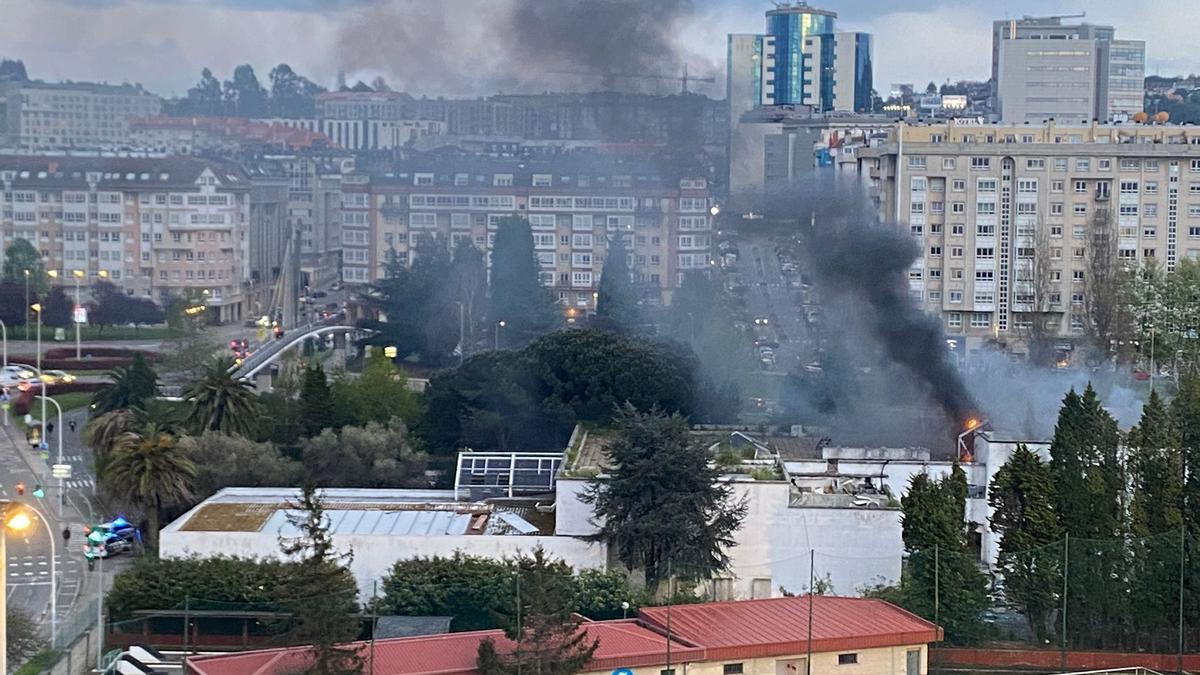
[
  {"x": 78, "y": 274},
  {"x": 4, "y": 332},
  {"x": 60, "y": 439},
  {"x": 37, "y": 308},
  {"x": 27, "y": 305},
  {"x": 500, "y": 324},
  {"x": 16, "y": 520}
]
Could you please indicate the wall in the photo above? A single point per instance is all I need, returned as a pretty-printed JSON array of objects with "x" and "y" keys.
[
  {"x": 572, "y": 517},
  {"x": 881, "y": 661},
  {"x": 375, "y": 555},
  {"x": 854, "y": 547},
  {"x": 1043, "y": 659}
]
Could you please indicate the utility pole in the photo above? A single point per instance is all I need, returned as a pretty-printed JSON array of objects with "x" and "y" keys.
[
  {"x": 811, "y": 580},
  {"x": 1066, "y": 563},
  {"x": 937, "y": 565},
  {"x": 670, "y": 601},
  {"x": 1182, "y": 557}
]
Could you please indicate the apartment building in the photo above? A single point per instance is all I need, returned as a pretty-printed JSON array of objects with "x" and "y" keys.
[
  {"x": 46, "y": 115},
  {"x": 153, "y": 226},
  {"x": 574, "y": 204},
  {"x": 1007, "y": 216},
  {"x": 1046, "y": 69}
]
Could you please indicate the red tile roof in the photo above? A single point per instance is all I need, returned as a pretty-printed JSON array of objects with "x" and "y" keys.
[
  {"x": 623, "y": 644},
  {"x": 778, "y": 626}
]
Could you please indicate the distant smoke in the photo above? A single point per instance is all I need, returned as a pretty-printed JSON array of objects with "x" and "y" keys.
[{"x": 452, "y": 46}]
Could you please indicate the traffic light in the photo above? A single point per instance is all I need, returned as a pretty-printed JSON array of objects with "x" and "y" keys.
[
  {"x": 38, "y": 491},
  {"x": 20, "y": 489}
]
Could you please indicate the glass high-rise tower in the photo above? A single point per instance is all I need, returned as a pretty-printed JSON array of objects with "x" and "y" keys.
[{"x": 793, "y": 26}]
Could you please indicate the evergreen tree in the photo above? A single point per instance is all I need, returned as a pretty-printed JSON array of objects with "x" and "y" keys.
[
  {"x": 662, "y": 505},
  {"x": 1022, "y": 496},
  {"x": 617, "y": 302},
  {"x": 243, "y": 94},
  {"x": 1156, "y": 516},
  {"x": 469, "y": 271},
  {"x": 547, "y": 635},
  {"x": 22, "y": 261},
  {"x": 57, "y": 313},
  {"x": 316, "y": 401},
  {"x": 1185, "y": 417},
  {"x": 324, "y": 604},
  {"x": 943, "y": 582},
  {"x": 518, "y": 297},
  {"x": 1090, "y": 506}
]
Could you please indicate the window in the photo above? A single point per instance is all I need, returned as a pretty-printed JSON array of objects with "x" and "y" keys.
[
  {"x": 1060, "y": 164},
  {"x": 1027, "y": 186},
  {"x": 935, "y": 251},
  {"x": 1083, "y": 165},
  {"x": 984, "y": 163},
  {"x": 1077, "y": 252},
  {"x": 502, "y": 180},
  {"x": 732, "y": 669},
  {"x": 1104, "y": 164},
  {"x": 1056, "y": 186},
  {"x": 1196, "y": 166},
  {"x": 935, "y": 296},
  {"x": 1056, "y": 253},
  {"x": 1079, "y": 209},
  {"x": 985, "y": 253},
  {"x": 1081, "y": 187},
  {"x": 847, "y": 659},
  {"x": 985, "y": 208},
  {"x": 958, "y": 207},
  {"x": 1076, "y": 275},
  {"x": 981, "y": 320},
  {"x": 1129, "y": 187},
  {"x": 958, "y": 185},
  {"x": 935, "y": 274},
  {"x": 1151, "y": 187},
  {"x": 956, "y": 251},
  {"x": 957, "y": 229},
  {"x": 917, "y": 207},
  {"x": 915, "y": 162},
  {"x": 985, "y": 276},
  {"x": 948, "y": 163},
  {"x": 541, "y": 180},
  {"x": 1130, "y": 164},
  {"x": 954, "y": 319},
  {"x": 918, "y": 183},
  {"x": 1035, "y": 164},
  {"x": 986, "y": 185},
  {"x": 985, "y": 230}
]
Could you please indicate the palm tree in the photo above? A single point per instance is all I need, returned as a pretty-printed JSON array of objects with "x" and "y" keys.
[
  {"x": 103, "y": 432},
  {"x": 131, "y": 387},
  {"x": 222, "y": 403},
  {"x": 148, "y": 466}
]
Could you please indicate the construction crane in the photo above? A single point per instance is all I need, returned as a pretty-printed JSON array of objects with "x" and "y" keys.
[{"x": 683, "y": 79}]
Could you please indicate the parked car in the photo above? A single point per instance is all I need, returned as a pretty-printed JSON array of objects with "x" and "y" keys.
[{"x": 107, "y": 539}]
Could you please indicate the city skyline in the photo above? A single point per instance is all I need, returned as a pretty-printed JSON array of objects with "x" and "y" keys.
[{"x": 109, "y": 41}]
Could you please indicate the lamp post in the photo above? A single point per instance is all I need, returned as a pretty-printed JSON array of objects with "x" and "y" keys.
[
  {"x": 60, "y": 441},
  {"x": 4, "y": 332},
  {"x": 78, "y": 274},
  {"x": 10, "y": 519},
  {"x": 499, "y": 324},
  {"x": 37, "y": 309}
]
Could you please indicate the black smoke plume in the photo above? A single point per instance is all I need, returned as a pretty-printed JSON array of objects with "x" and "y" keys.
[{"x": 518, "y": 46}]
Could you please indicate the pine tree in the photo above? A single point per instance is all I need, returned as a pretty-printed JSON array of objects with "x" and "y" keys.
[
  {"x": 316, "y": 401},
  {"x": 324, "y": 608},
  {"x": 617, "y": 302},
  {"x": 662, "y": 505},
  {"x": 548, "y": 636},
  {"x": 518, "y": 297},
  {"x": 1185, "y": 417},
  {"x": 1022, "y": 497}
]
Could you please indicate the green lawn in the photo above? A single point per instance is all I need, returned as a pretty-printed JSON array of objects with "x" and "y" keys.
[{"x": 93, "y": 334}]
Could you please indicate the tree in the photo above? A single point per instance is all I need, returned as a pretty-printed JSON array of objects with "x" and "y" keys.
[
  {"x": 942, "y": 582},
  {"x": 244, "y": 96},
  {"x": 1035, "y": 281},
  {"x": 325, "y": 605},
  {"x": 662, "y": 506},
  {"x": 1022, "y": 497},
  {"x": 292, "y": 95},
  {"x": 379, "y": 394},
  {"x": 316, "y": 401},
  {"x": 1156, "y": 509},
  {"x": 21, "y": 261},
  {"x": 223, "y": 461},
  {"x": 369, "y": 457},
  {"x": 1106, "y": 307},
  {"x": 548, "y": 636},
  {"x": 205, "y": 97},
  {"x": 58, "y": 310},
  {"x": 13, "y": 70},
  {"x": 931, "y": 88},
  {"x": 164, "y": 583},
  {"x": 13, "y": 309},
  {"x": 467, "y": 588},
  {"x": 129, "y": 387},
  {"x": 419, "y": 305},
  {"x": 24, "y": 637},
  {"x": 518, "y": 297},
  {"x": 469, "y": 271},
  {"x": 222, "y": 403},
  {"x": 148, "y": 467},
  {"x": 1090, "y": 505},
  {"x": 616, "y": 299}
]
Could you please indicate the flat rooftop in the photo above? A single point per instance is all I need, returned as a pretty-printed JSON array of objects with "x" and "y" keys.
[{"x": 369, "y": 512}]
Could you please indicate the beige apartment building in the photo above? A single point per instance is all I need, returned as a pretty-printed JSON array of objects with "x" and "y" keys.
[
  {"x": 1007, "y": 216},
  {"x": 153, "y": 226},
  {"x": 49, "y": 115},
  {"x": 575, "y": 205}
]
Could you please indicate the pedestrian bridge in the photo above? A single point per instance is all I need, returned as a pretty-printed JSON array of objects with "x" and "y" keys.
[{"x": 270, "y": 352}]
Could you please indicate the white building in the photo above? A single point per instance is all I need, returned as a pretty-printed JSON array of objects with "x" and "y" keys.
[{"x": 47, "y": 115}]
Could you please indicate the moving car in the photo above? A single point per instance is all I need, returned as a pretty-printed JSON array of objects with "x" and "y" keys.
[
  {"x": 11, "y": 375},
  {"x": 52, "y": 376}
]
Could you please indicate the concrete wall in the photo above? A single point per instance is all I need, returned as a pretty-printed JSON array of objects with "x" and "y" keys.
[
  {"x": 880, "y": 661},
  {"x": 854, "y": 547},
  {"x": 375, "y": 555},
  {"x": 572, "y": 517}
]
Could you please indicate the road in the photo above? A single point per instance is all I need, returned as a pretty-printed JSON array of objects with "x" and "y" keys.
[{"x": 770, "y": 296}]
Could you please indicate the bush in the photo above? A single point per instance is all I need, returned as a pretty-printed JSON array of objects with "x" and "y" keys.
[{"x": 203, "y": 583}]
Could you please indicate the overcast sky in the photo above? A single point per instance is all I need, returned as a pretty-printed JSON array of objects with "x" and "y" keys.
[{"x": 163, "y": 44}]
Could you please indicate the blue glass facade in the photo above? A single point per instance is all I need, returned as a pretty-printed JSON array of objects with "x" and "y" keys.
[
  {"x": 863, "y": 75},
  {"x": 791, "y": 26}
]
